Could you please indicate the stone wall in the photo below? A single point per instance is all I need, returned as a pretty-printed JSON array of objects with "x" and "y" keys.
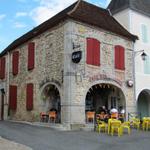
[
  {"x": 48, "y": 68},
  {"x": 78, "y": 75}
]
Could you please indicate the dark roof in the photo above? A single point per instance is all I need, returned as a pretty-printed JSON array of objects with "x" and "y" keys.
[
  {"x": 141, "y": 6},
  {"x": 79, "y": 11}
]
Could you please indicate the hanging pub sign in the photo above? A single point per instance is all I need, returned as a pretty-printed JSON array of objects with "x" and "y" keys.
[{"x": 76, "y": 56}]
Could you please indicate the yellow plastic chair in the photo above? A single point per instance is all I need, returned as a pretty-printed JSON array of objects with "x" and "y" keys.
[
  {"x": 135, "y": 123},
  {"x": 109, "y": 124},
  {"x": 116, "y": 126},
  {"x": 125, "y": 125},
  {"x": 146, "y": 123},
  {"x": 101, "y": 126}
]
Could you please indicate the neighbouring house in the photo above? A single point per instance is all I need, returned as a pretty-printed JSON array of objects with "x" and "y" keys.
[
  {"x": 77, "y": 61},
  {"x": 134, "y": 15}
]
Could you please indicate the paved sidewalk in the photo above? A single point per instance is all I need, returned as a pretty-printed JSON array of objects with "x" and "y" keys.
[{"x": 9, "y": 145}]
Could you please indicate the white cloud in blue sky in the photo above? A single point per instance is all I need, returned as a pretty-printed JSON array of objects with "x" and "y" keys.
[
  {"x": 20, "y": 16},
  {"x": 23, "y": 1},
  {"x": 19, "y": 25},
  {"x": 2, "y": 16}
]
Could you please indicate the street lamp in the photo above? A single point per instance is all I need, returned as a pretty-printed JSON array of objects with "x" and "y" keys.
[{"x": 143, "y": 55}]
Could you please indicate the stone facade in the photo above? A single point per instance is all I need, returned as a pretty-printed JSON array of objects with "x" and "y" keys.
[{"x": 79, "y": 75}]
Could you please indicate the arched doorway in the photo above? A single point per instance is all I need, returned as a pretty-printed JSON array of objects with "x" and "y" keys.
[
  {"x": 51, "y": 100},
  {"x": 143, "y": 103},
  {"x": 104, "y": 94}
]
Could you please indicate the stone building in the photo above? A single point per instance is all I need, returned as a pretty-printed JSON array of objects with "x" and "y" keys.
[{"x": 78, "y": 60}]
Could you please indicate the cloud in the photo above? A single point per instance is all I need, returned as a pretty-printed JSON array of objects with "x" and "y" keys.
[
  {"x": 21, "y": 14},
  {"x": 19, "y": 25},
  {"x": 40, "y": 14},
  {"x": 22, "y": 1},
  {"x": 47, "y": 9},
  {"x": 2, "y": 16}
]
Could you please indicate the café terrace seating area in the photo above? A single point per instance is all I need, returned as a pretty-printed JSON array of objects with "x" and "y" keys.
[{"x": 115, "y": 124}]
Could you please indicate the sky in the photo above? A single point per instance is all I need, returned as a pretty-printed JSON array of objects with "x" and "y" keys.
[{"x": 17, "y": 17}]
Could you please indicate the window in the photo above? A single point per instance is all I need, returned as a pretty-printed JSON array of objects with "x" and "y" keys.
[
  {"x": 147, "y": 65},
  {"x": 2, "y": 68},
  {"x": 119, "y": 57},
  {"x": 15, "y": 62},
  {"x": 29, "y": 96},
  {"x": 93, "y": 52},
  {"x": 144, "y": 32},
  {"x": 31, "y": 48},
  {"x": 13, "y": 97}
]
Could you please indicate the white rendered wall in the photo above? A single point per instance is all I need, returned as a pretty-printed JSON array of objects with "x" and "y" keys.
[
  {"x": 142, "y": 80},
  {"x": 132, "y": 21}
]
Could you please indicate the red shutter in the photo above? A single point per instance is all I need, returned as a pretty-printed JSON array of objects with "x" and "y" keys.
[
  {"x": 15, "y": 62},
  {"x": 122, "y": 58},
  {"x": 2, "y": 68},
  {"x": 119, "y": 57},
  {"x": 13, "y": 97},
  {"x": 89, "y": 56},
  {"x": 31, "y": 48},
  {"x": 96, "y": 59},
  {"x": 93, "y": 52},
  {"x": 29, "y": 96}
]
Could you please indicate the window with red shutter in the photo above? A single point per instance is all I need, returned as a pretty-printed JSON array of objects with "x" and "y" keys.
[
  {"x": 93, "y": 52},
  {"x": 13, "y": 97},
  {"x": 2, "y": 68},
  {"x": 31, "y": 49},
  {"x": 29, "y": 96},
  {"x": 119, "y": 57},
  {"x": 15, "y": 62}
]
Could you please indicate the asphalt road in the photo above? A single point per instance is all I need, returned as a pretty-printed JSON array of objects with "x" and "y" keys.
[{"x": 41, "y": 138}]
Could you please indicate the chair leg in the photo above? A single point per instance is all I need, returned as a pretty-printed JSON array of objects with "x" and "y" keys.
[
  {"x": 119, "y": 132},
  {"x": 112, "y": 131},
  {"x": 129, "y": 130}
]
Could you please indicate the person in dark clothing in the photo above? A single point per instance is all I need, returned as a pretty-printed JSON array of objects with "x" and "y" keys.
[{"x": 103, "y": 114}]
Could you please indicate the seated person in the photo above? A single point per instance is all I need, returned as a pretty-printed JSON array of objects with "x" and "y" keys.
[
  {"x": 121, "y": 114},
  {"x": 114, "y": 113},
  {"x": 53, "y": 109},
  {"x": 104, "y": 114}
]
